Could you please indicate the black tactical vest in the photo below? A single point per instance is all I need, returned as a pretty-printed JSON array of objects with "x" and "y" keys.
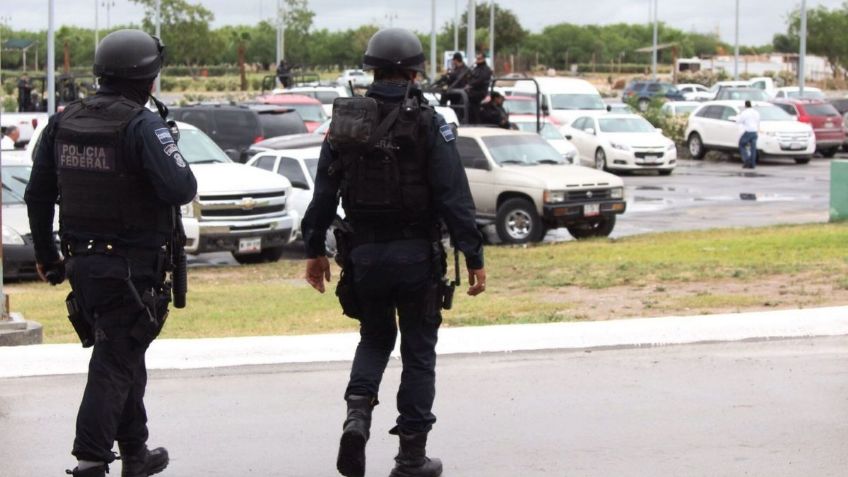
[
  {"x": 382, "y": 150},
  {"x": 102, "y": 191}
]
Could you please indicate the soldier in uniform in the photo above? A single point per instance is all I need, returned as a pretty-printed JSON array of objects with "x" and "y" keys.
[
  {"x": 393, "y": 161},
  {"x": 478, "y": 87},
  {"x": 118, "y": 175}
]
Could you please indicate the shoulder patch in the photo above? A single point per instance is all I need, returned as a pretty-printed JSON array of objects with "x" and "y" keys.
[
  {"x": 447, "y": 132},
  {"x": 178, "y": 158},
  {"x": 164, "y": 136}
]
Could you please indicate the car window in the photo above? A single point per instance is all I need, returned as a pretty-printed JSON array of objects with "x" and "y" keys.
[
  {"x": 788, "y": 108},
  {"x": 821, "y": 110},
  {"x": 808, "y": 94},
  {"x": 197, "y": 148},
  {"x": 236, "y": 128},
  {"x": 309, "y": 112},
  {"x": 281, "y": 124},
  {"x": 198, "y": 119},
  {"x": 291, "y": 170},
  {"x": 780, "y": 94},
  {"x": 524, "y": 150},
  {"x": 15, "y": 179},
  {"x": 312, "y": 167},
  {"x": 577, "y": 101},
  {"x": 578, "y": 123},
  {"x": 727, "y": 113},
  {"x": 773, "y": 113},
  {"x": 625, "y": 125},
  {"x": 686, "y": 89},
  {"x": 714, "y": 112},
  {"x": 265, "y": 163},
  {"x": 469, "y": 151},
  {"x": 514, "y": 106}
]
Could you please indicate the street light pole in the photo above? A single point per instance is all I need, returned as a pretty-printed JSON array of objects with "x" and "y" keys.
[
  {"x": 455, "y": 25},
  {"x": 736, "y": 46},
  {"x": 654, "y": 49},
  {"x": 159, "y": 35},
  {"x": 472, "y": 30},
  {"x": 802, "y": 54},
  {"x": 51, "y": 57},
  {"x": 492, "y": 33},
  {"x": 96, "y": 25},
  {"x": 432, "y": 40}
]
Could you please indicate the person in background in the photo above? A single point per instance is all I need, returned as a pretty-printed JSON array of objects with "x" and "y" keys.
[
  {"x": 10, "y": 138},
  {"x": 478, "y": 87},
  {"x": 24, "y": 93},
  {"x": 749, "y": 121},
  {"x": 492, "y": 112}
]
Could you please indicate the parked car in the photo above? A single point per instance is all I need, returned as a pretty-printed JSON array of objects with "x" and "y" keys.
[
  {"x": 619, "y": 108},
  {"x": 563, "y": 98},
  {"x": 324, "y": 94},
  {"x": 549, "y": 132},
  {"x": 794, "y": 92},
  {"x": 235, "y": 128},
  {"x": 841, "y": 105},
  {"x": 826, "y": 121},
  {"x": 679, "y": 108},
  {"x": 764, "y": 83},
  {"x": 644, "y": 91},
  {"x": 693, "y": 91},
  {"x": 310, "y": 109},
  {"x": 713, "y": 127},
  {"x": 622, "y": 142},
  {"x": 714, "y": 89},
  {"x": 18, "y": 249},
  {"x": 359, "y": 78},
  {"x": 523, "y": 187},
  {"x": 734, "y": 93}
]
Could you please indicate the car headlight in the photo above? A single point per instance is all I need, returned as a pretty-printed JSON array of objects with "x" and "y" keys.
[
  {"x": 554, "y": 197},
  {"x": 188, "y": 210},
  {"x": 671, "y": 146},
  {"x": 617, "y": 193},
  {"x": 11, "y": 237},
  {"x": 620, "y": 146}
]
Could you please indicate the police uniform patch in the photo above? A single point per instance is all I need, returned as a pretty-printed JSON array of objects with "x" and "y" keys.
[
  {"x": 447, "y": 132},
  {"x": 170, "y": 149},
  {"x": 164, "y": 136},
  {"x": 178, "y": 158},
  {"x": 86, "y": 158}
]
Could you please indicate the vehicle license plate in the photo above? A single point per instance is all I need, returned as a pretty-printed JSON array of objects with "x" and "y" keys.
[
  {"x": 796, "y": 146},
  {"x": 250, "y": 245},
  {"x": 828, "y": 125},
  {"x": 591, "y": 210}
]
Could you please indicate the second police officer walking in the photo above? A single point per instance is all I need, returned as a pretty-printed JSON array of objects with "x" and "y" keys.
[
  {"x": 393, "y": 161},
  {"x": 118, "y": 175}
]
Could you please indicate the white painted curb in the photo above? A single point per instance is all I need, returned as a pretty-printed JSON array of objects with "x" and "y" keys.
[{"x": 41, "y": 360}]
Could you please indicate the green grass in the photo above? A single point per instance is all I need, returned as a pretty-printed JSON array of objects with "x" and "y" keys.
[{"x": 525, "y": 285}]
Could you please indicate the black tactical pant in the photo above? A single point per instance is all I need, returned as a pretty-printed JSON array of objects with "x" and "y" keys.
[
  {"x": 392, "y": 278},
  {"x": 112, "y": 407}
]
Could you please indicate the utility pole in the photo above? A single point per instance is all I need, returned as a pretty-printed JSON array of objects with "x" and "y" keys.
[
  {"x": 492, "y": 34},
  {"x": 472, "y": 30},
  {"x": 802, "y": 54},
  {"x": 109, "y": 4},
  {"x": 51, "y": 57},
  {"x": 432, "y": 40},
  {"x": 159, "y": 35},
  {"x": 654, "y": 50},
  {"x": 281, "y": 31},
  {"x": 455, "y": 25},
  {"x": 96, "y": 25},
  {"x": 736, "y": 46}
]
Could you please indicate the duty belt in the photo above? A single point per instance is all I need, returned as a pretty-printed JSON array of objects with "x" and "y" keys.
[
  {"x": 366, "y": 235},
  {"x": 105, "y": 247}
]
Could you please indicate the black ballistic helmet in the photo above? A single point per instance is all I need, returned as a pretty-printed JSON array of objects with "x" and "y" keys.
[
  {"x": 394, "y": 48},
  {"x": 129, "y": 54}
]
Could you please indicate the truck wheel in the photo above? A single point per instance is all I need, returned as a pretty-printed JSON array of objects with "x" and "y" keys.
[
  {"x": 829, "y": 152},
  {"x": 696, "y": 146},
  {"x": 518, "y": 222},
  {"x": 802, "y": 160},
  {"x": 601, "y": 228},
  {"x": 272, "y": 254}
]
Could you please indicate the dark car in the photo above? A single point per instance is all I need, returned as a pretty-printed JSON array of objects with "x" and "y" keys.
[
  {"x": 643, "y": 91},
  {"x": 827, "y": 123},
  {"x": 235, "y": 128},
  {"x": 741, "y": 94}
]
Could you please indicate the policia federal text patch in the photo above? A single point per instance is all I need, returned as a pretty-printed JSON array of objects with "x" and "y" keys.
[{"x": 86, "y": 158}]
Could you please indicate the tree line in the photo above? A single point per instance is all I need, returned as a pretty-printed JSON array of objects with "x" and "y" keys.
[{"x": 191, "y": 41}]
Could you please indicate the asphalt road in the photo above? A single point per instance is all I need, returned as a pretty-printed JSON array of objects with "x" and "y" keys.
[{"x": 773, "y": 409}]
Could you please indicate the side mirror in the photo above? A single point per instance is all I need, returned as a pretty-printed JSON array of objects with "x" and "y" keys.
[
  {"x": 568, "y": 136},
  {"x": 481, "y": 163},
  {"x": 589, "y": 131},
  {"x": 609, "y": 108},
  {"x": 545, "y": 109},
  {"x": 300, "y": 185}
]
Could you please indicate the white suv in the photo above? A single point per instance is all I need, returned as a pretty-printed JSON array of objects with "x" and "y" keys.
[{"x": 712, "y": 127}]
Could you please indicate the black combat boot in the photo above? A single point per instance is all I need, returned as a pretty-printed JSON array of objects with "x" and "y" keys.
[
  {"x": 143, "y": 462},
  {"x": 412, "y": 460},
  {"x": 98, "y": 471},
  {"x": 355, "y": 433}
]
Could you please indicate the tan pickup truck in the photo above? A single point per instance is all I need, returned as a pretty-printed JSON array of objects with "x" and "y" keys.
[{"x": 524, "y": 187}]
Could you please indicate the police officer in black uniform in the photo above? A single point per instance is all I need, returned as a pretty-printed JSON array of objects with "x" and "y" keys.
[
  {"x": 393, "y": 161},
  {"x": 118, "y": 175},
  {"x": 479, "y": 81}
]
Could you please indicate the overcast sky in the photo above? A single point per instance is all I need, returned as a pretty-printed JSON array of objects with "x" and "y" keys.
[{"x": 760, "y": 19}]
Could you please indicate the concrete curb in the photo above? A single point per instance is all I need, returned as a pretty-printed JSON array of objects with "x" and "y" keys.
[{"x": 42, "y": 360}]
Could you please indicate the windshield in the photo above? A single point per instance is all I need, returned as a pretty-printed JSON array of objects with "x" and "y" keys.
[
  {"x": 312, "y": 167},
  {"x": 325, "y": 97},
  {"x": 525, "y": 150},
  {"x": 577, "y": 101},
  {"x": 625, "y": 125},
  {"x": 309, "y": 112},
  {"x": 808, "y": 94},
  {"x": 743, "y": 94},
  {"x": 548, "y": 131},
  {"x": 15, "y": 180},
  {"x": 517, "y": 106},
  {"x": 197, "y": 148},
  {"x": 682, "y": 109},
  {"x": 773, "y": 113}
]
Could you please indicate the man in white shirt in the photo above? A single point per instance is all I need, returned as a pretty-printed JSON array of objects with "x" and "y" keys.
[
  {"x": 749, "y": 120},
  {"x": 10, "y": 137}
]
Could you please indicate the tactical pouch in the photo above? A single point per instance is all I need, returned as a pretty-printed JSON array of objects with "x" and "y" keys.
[
  {"x": 346, "y": 293},
  {"x": 354, "y": 122},
  {"x": 446, "y": 291},
  {"x": 155, "y": 312},
  {"x": 81, "y": 326}
]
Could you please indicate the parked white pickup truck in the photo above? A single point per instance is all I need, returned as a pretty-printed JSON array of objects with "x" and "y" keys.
[{"x": 239, "y": 209}]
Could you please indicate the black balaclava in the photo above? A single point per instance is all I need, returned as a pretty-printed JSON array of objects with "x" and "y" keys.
[{"x": 134, "y": 90}]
